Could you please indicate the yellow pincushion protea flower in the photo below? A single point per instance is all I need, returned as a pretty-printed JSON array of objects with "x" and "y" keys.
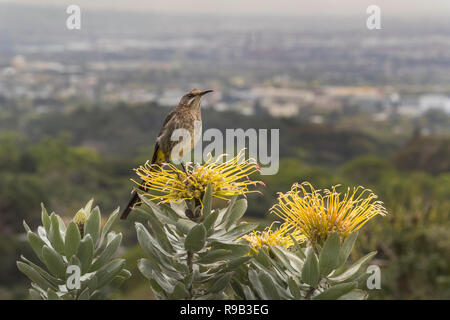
[
  {"x": 168, "y": 184},
  {"x": 317, "y": 214},
  {"x": 279, "y": 237}
]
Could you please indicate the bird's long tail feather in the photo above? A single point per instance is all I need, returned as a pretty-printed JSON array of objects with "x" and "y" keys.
[{"x": 134, "y": 199}]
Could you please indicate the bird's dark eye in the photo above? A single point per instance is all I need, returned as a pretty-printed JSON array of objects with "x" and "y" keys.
[{"x": 190, "y": 95}]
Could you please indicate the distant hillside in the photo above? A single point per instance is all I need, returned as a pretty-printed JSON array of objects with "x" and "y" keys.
[{"x": 124, "y": 130}]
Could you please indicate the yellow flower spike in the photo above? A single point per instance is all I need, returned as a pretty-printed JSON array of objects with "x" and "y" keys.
[
  {"x": 317, "y": 214},
  {"x": 168, "y": 184},
  {"x": 280, "y": 237}
]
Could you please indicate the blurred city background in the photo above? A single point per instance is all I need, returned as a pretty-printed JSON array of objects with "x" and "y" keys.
[{"x": 79, "y": 109}]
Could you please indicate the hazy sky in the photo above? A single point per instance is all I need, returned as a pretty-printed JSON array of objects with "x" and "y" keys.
[{"x": 403, "y": 8}]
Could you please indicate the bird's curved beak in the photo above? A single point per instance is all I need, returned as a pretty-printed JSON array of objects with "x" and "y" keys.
[{"x": 205, "y": 92}]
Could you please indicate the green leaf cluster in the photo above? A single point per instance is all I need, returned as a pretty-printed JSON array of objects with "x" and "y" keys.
[
  {"x": 189, "y": 259},
  {"x": 304, "y": 273},
  {"x": 87, "y": 247}
]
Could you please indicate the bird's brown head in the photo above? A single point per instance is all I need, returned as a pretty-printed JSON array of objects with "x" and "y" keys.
[{"x": 193, "y": 98}]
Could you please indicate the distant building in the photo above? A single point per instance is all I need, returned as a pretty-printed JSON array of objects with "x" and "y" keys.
[{"x": 434, "y": 101}]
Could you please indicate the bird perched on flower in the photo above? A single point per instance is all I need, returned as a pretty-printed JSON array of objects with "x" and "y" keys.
[
  {"x": 187, "y": 116},
  {"x": 172, "y": 185}
]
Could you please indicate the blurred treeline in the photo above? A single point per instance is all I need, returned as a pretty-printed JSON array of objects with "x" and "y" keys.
[{"x": 63, "y": 158}]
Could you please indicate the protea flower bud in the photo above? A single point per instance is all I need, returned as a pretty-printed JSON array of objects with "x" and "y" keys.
[{"x": 80, "y": 219}]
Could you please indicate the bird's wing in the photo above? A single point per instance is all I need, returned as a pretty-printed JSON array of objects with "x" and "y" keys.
[
  {"x": 155, "y": 153},
  {"x": 166, "y": 121},
  {"x": 158, "y": 154}
]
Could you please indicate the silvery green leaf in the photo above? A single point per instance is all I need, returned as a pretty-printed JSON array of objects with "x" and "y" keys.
[
  {"x": 86, "y": 252},
  {"x": 45, "y": 218},
  {"x": 224, "y": 214},
  {"x": 166, "y": 283},
  {"x": 62, "y": 225},
  {"x": 257, "y": 285},
  {"x": 91, "y": 283},
  {"x": 111, "y": 219},
  {"x": 294, "y": 288},
  {"x": 355, "y": 294},
  {"x": 43, "y": 235},
  {"x": 249, "y": 295},
  {"x": 157, "y": 290},
  {"x": 125, "y": 273},
  {"x": 299, "y": 252},
  {"x": 294, "y": 260},
  {"x": 236, "y": 213},
  {"x": 107, "y": 253},
  {"x": 347, "y": 247},
  {"x": 167, "y": 214},
  {"x": 160, "y": 234},
  {"x": 72, "y": 240},
  {"x": 207, "y": 199},
  {"x": 269, "y": 286},
  {"x": 237, "y": 262},
  {"x": 88, "y": 206},
  {"x": 156, "y": 254},
  {"x": 74, "y": 261},
  {"x": 179, "y": 208},
  {"x": 53, "y": 280},
  {"x": 221, "y": 283},
  {"x": 328, "y": 257},
  {"x": 237, "y": 231},
  {"x": 236, "y": 249},
  {"x": 195, "y": 239},
  {"x": 185, "y": 225},
  {"x": 110, "y": 237},
  {"x": 146, "y": 267},
  {"x": 210, "y": 220},
  {"x": 92, "y": 226},
  {"x": 26, "y": 227},
  {"x": 263, "y": 257},
  {"x": 54, "y": 262},
  {"x": 106, "y": 273},
  {"x": 336, "y": 291},
  {"x": 237, "y": 288},
  {"x": 310, "y": 271},
  {"x": 278, "y": 252},
  {"x": 354, "y": 269},
  {"x": 36, "y": 244},
  {"x": 55, "y": 236},
  {"x": 34, "y": 276},
  {"x": 212, "y": 256},
  {"x": 180, "y": 292}
]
